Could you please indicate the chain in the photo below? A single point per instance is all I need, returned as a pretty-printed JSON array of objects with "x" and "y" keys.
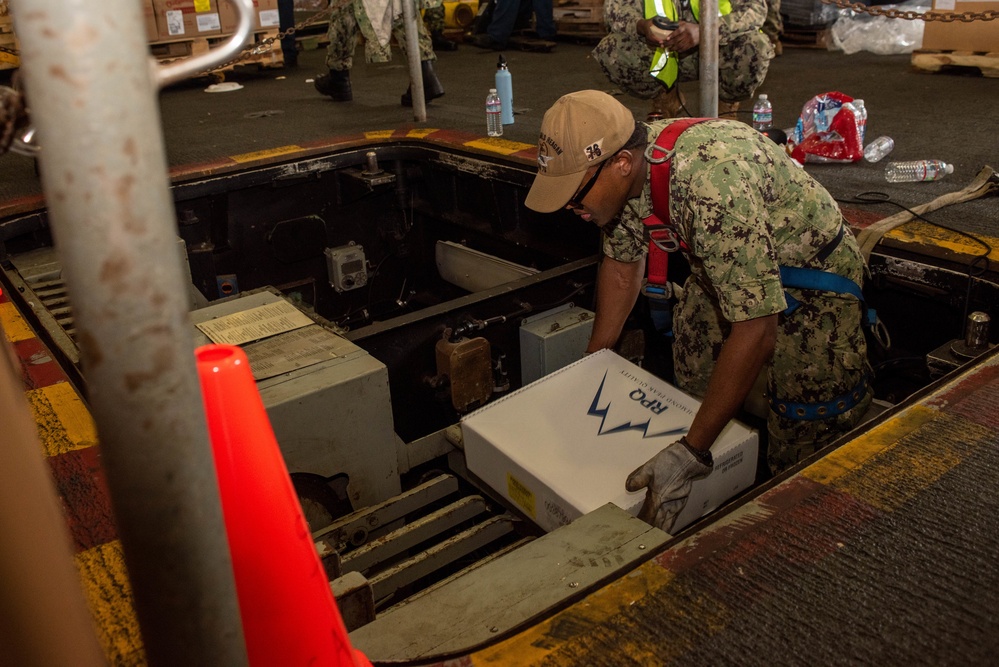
[
  {"x": 944, "y": 17},
  {"x": 254, "y": 49}
]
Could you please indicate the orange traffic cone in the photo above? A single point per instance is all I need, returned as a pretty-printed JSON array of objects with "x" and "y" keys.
[{"x": 289, "y": 614}]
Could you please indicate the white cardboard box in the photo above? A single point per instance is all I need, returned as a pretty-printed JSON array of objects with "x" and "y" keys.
[{"x": 565, "y": 444}]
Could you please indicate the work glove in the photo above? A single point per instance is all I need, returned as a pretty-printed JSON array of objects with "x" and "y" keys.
[{"x": 668, "y": 476}]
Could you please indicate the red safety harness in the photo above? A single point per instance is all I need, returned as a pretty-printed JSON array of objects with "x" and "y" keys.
[{"x": 663, "y": 238}]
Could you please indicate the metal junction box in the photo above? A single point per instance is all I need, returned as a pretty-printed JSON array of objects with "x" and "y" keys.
[
  {"x": 347, "y": 267},
  {"x": 552, "y": 340},
  {"x": 327, "y": 399}
]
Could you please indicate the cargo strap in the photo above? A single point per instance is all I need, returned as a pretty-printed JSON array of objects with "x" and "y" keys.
[
  {"x": 663, "y": 238},
  {"x": 817, "y": 411}
]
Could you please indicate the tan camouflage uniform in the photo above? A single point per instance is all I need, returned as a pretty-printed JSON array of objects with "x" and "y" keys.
[
  {"x": 351, "y": 19},
  {"x": 744, "y": 53},
  {"x": 744, "y": 209}
]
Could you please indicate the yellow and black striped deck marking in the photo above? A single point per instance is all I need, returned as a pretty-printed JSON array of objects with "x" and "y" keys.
[{"x": 69, "y": 439}]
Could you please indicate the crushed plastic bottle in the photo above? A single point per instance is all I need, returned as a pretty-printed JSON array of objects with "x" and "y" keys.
[
  {"x": 763, "y": 113},
  {"x": 494, "y": 121},
  {"x": 879, "y": 148},
  {"x": 917, "y": 170}
]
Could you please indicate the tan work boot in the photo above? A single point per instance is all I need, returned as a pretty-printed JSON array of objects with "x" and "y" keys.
[
  {"x": 728, "y": 110},
  {"x": 667, "y": 104}
]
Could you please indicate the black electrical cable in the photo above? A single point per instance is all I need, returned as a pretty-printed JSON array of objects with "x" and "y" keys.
[
  {"x": 559, "y": 302},
  {"x": 874, "y": 197}
]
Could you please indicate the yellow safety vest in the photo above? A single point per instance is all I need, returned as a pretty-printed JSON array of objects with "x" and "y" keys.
[{"x": 665, "y": 66}]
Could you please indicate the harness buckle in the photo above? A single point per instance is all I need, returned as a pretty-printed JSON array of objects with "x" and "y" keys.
[
  {"x": 665, "y": 238},
  {"x": 658, "y": 292}
]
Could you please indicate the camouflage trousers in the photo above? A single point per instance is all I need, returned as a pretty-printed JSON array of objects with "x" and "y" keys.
[
  {"x": 773, "y": 25},
  {"x": 742, "y": 64},
  {"x": 820, "y": 354},
  {"x": 349, "y": 21},
  {"x": 434, "y": 18}
]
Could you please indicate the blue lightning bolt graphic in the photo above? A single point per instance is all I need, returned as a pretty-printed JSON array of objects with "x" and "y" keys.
[{"x": 597, "y": 411}]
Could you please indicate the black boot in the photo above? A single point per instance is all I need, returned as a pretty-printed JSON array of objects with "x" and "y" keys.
[
  {"x": 336, "y": 84},
  {"x": 442, "y": 43},
  {"x": 432, "y": 87}
]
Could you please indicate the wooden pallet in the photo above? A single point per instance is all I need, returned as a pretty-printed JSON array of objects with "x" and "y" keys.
[
  {"x": 573, "y": 27},
  {"x": 804, "y": 38},
  {"x": 171, "y": 50},
  {"x": 580, "y": 18},
  {"x": 952, "y": 61},
  {"x": 584, "y": 13},
  {"x": 8, "y": 40}
]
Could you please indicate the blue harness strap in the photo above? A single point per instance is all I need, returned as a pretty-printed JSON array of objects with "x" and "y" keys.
[
  {"x": 825, "y": 281},
  {"x": 817, "y": 411},
  {"x": 816, "y": 279}
]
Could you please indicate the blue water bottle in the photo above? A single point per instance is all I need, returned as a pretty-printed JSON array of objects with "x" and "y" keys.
[{"x": 504, "y": 86}]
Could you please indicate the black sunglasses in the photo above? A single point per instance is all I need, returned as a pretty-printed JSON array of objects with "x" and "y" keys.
[{"x": 576, "y": 202}]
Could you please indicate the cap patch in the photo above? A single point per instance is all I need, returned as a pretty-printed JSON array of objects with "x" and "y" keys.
[
  {"x": 594, "y": 151},
  {"x": 548, "y": 149}
]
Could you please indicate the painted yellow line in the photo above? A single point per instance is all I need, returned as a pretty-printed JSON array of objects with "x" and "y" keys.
[
  {"x": 558, "y": 640},
  {"x": 379, "y": 134},
  {"x": 64, "y": 423},
  {"x": 109, "y": 595},
  {"x": 916, "y": 462},
  {"x": 897, "y": 461},
  {"x": 497, "y": 145},
  {"x": 420, "y": 133},
  {"x": 15, "y": 328},
  {"x": 855, "y": 454},
  {"x": 270, "y": 152},
  {"x": 925, "y": 234}
]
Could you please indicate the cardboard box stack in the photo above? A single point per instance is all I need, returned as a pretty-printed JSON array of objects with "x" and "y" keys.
[
  {"x": 265, "y": 15},
  {"x": 149, "y": 15},
  {"x": 982, "y": 36},
  {"x": 565, "y": 444},
  {"x": 186, "y": 19}
]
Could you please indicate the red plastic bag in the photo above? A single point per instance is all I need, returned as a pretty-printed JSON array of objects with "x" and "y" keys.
[{"x": 828, "y": 130}]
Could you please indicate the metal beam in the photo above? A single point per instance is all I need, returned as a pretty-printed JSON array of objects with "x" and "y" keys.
[
  {"x": 104, "y": 172},
  {"x": 709, "y": 58}
]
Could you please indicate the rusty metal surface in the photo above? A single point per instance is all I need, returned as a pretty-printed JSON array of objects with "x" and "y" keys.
[{"x": 881, "y": 552}]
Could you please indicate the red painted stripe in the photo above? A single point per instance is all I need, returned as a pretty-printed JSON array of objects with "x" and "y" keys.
[
  {"x": 965, "y": 387},
  {"x": 859, "y": 218},
  {"x": 39, "y": 368},
  {"x": 19, "y": 205},
  {"x": 974, "y": 397},
  {"x": 81, "y": 485},
  {"x": 797, "y": 523}
]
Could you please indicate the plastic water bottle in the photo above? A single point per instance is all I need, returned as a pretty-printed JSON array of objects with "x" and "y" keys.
[
  {"x": 861, "y": 119},
  {"x": 494, "y": 124},
  {"x": 504, "y": 86},
  {"x": 879, "y": 148},
  {"x": 763, "y": 114},
  {"x": 917, "y": 170}
]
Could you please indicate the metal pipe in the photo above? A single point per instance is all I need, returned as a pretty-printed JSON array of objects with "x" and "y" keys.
[
  {"x": 185, "y": 67},
  {"x": 709, "y": 58},
  {"x": 104, "y": 172},
  {"x": 409, "y": 17}
]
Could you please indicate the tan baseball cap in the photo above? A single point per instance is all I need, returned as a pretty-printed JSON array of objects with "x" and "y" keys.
[{"x": 580, "y": 130}]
